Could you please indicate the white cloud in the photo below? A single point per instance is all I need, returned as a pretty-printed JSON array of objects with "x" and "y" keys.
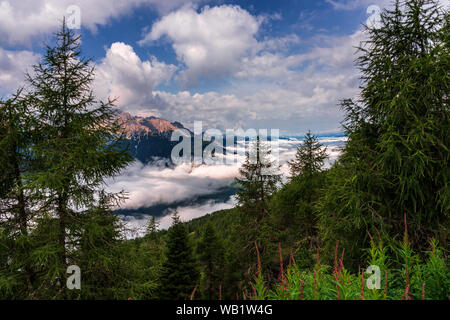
[
  {"x": 155, "y": 184},
  {"x": 211, "y": 43},
  {"x": 268, "y": 65},
  {"x": 355, "y": 4},
  {"x": 136, "y": 226},
  {"x": 13, "y": 65},
  {"x": 192, "y": 212},
  {"x": 152, "y": 184},
  {"x": 124, "y": 75},
  {"x": 290, "y": 92},
  {"x": 304, "y": 87},
  {"x": 22, "y": 20}
]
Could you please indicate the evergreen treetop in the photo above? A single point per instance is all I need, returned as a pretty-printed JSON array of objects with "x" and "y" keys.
[{"x": 309, "y": 158}]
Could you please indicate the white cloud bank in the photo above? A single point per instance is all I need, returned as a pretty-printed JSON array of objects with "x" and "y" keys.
[
  {"x": 155, "y": 184},
  {"x": 152, "y": 184}
]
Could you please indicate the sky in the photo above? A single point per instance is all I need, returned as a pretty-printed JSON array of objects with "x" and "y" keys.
[{"x": 248, "y": 63}]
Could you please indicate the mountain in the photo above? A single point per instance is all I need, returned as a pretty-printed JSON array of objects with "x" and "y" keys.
[
  {"x": 137, "y": 127},
  {"x": 149, "y": 137}
]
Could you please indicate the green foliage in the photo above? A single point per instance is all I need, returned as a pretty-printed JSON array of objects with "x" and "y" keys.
[
  {"x": 309, "y": 158},
  {"x": 179, "y": 274},
  {"x": 323, "y": 285},
  {"x": 259, "y": 180},
  {"x": 58, "y": 144},
  {"x": 211, "y": 257},
  {"x": 396, "y": 158}
]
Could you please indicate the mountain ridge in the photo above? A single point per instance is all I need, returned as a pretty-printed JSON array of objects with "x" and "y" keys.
[{"x": 138, "y": 126}]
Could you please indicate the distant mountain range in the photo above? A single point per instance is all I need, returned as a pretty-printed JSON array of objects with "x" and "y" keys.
[
  {"x": 149, "y": 137},
  {"x": 137, "y": 127}
]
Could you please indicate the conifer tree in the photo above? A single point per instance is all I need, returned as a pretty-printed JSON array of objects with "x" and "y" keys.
[
  {"x": 211, "y": 255},
  {"x": 180, "y": 274},
  {"x": 14, "y": 162},
  {"x": 98, "y": 252},
  {"x": 396, "y": 158},
  {"x": 293, "y": 207},
  {"x": 80, "y": 142},
  {"x": 18, "y": 206},
  {"x": 152, "y": 228},
  {"x": 309, "y": 157},
  {"x": 259, "y": 180}
]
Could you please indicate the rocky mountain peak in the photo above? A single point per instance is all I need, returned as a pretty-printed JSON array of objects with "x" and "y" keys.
[{"x": 139, "y": 126}]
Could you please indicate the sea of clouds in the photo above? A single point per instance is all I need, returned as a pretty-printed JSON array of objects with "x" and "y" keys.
[{"x": 156, "y": 184}]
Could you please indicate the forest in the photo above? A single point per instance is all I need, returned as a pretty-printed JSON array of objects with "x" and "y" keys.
[{"x": 380, "y": 212}]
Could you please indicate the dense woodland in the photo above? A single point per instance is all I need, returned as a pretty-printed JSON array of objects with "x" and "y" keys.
[{"x": 385, "y": 202}]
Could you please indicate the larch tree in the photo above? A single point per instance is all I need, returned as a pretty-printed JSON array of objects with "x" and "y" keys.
[
  {"x": 397, "y": 157},
  {"x": 17, "y": 204},
  {"x": 259, "y": 180},
  {"x": 293, "y": 207},
  {"x": 80, "y": 141},
  {"x": 309, "y": 157}
]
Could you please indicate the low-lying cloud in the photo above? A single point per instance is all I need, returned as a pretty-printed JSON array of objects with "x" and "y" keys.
[{"x": 155, "y": 183}]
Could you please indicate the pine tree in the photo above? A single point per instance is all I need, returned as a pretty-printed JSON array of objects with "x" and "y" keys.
[
  {"x": 14, "y": 163},
  {"x": 259, "y": 180},
  {"x": 211, "y": 255},
  {"x": 180, "y": 275},
  {"x": 396, "y": 158},
  {"x": 152, "y": 228},
  {"x": 309, "y": 158},
  {"x": 80, "y": 142},
  {"x": 18, "y": 206}
]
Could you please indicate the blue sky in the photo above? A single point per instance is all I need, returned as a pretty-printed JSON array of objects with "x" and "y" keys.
[{"x": 249, "y": 63}]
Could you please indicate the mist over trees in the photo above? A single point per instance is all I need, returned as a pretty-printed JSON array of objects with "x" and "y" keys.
[{"x": 384, "y": 202}]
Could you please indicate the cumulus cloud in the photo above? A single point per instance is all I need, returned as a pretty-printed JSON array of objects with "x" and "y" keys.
[
  {"x": 13, "y": 65},
  {"x": 298, "y": 102},
  {"x": 21, "y": 21},
  {"x": 124, "y": 75},
  {"x": 210, "y": 43},
  {"x": 306, "y": 87}
]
